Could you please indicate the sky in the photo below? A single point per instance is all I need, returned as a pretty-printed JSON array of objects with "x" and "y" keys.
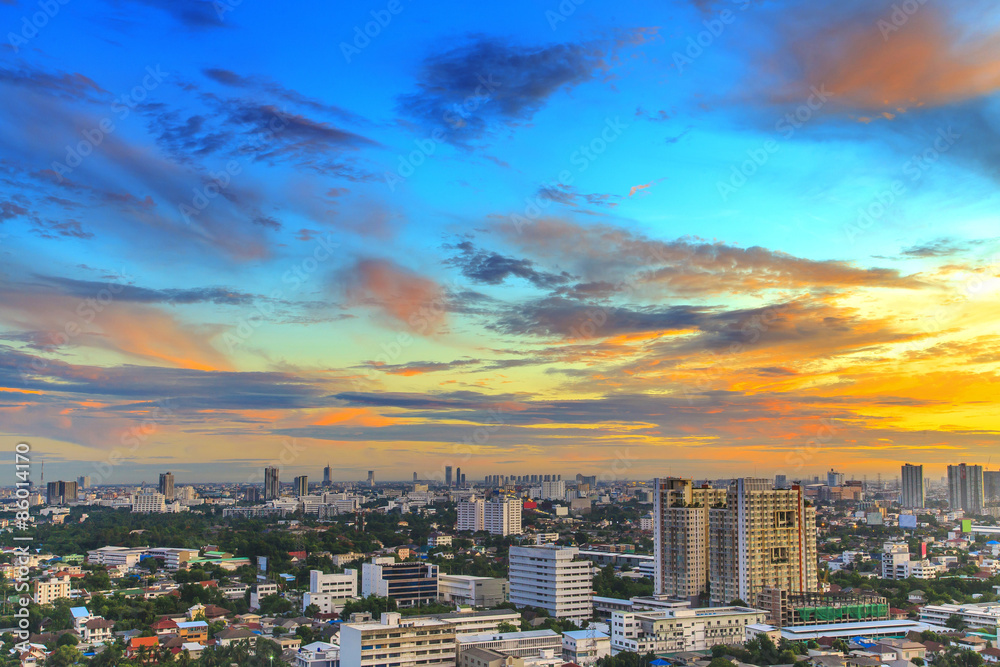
[{"x": 702, "y": 237}]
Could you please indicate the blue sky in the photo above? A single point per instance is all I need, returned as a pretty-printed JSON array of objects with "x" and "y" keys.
[{"x": 666, "y": 233}]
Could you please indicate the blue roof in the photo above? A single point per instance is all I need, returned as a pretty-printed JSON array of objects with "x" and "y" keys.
[
  {"x": 993, "y": 542},
  {"x": 79, "y": 612},
  {"x": 584, "y": 634},
  {"x": 193, "y": 624}
]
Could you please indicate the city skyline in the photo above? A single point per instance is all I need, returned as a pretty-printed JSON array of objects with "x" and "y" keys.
[{"x": 753, "y": 238}]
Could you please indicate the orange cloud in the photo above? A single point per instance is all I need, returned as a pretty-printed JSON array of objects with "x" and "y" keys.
[
  {"x": 885, "y": 65},
  {"x": 400, "y": 294}
]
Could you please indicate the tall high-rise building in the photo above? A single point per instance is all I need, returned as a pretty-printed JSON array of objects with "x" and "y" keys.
[
  {"x": 502, "y": 517},
  {"x": 462, "y": 480},
  {"x": 60, "y": 493},
  {"x": 458, "y": 477},
  {"x": 912, "y": 486},
  {"x": 780, "y": 481},
  {"x": 554, "y": 490},
  {"x": 302, "y": 485},
  {"x": 447, "y": 476},
  {"x": 680, "y": 526},
  {"x": 166, "y": 486},
  {"x": 272, "y": 485},
  {"x": 965, "y": 488},
  {"x": 552, "y": 578},
  {"x": 733, "y": 542},
  {"x": 834, "y": 478},
  {"x": 991, "y": 488},
  {"x": 83, "y": 482},
  {"x": 371, "y": 478},
  {"x": 326, "y": 475},
  {"x": 414, "y": 477}
]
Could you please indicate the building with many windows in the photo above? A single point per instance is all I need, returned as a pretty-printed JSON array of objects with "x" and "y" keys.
[
  {"x": 552, "y": 578},
  {"x": 517, "y": 644},
  {"x": 912, "y": 491},
  {"x": 473, "y": 591},
  {"x": 272, "y": 484},
  {"x": 965, "y": 488},
  {"x": 166, "y": 486},
  {"x": 408, "y": 583},
  {"x": 329, "y": 592},
  {"x": 680, "y": 526},
  {"x": 499, "y": 516},
  {"x": 398, "y": 641},
  {"x": 681, "y": 629},
  {"x": 51, "y": 589}
]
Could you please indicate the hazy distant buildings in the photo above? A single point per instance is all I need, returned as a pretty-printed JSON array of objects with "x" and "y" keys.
[
  {"x": 834, "y": 478},
  {"x": 554, "y": 490},
  {"x": 326, "y": 474},
  {"x": 551, "y": 578},
  {"x": 166, "y": 486},
  {"x": 371, "y": 478},
  {"x": 912, "y": 491},
  {"x": 965, "y": 488},
  {"x": 780, "y": 481},
  {"x": 301, "y": 485},
  {"x": 991, "y": 487},
  {"x": 447, "y": 476},
  {"x": 272, "y": 486},
  {"x": 83, "y": 482}
]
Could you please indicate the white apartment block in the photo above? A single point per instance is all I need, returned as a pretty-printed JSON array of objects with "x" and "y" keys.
[
  {"x": 681, "y": 629},
  {"x": 473, "y": 591},
  {"x": 554, "y": 490},
  {"x": 478, "y": 622},
  {"x": 410, "y": 642},
  {"x": 173, "y": 558},
  {"x": 585, "y": 647},
  {"x": 470, "y": 515},
  {"x": 517, "y": 644},
  {"x": 502, "y": 517},
  {"x": 112, "y": 556},
  {"x": 329, "y": 592},
  {"x": 896, "y": 563},
  {"x": 149, "y": 503},
  {"x": 50, "y": 590},
  {"x": 979, "y": 616},
  {"x": 551, "y": 578}
]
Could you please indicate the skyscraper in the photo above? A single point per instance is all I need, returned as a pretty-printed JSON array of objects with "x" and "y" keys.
[
  {"x": 271, "y": 484},
  {"x": 912, "y": 491},
  {"x": 326, "y": 475},
  {"x": 680, "y": 526},
  {"x": 60, "y": 493},
  {"x": 414, "y": 477},
  {"x": 991, "y": 487},
  {"x": 458, "y": 477},
  {"x": 447, "y": 476},
  {"x": 965, "y": 488},
  {"x": 83, "y": 482},
  {"x": 302, "y": 485},
  {"x": 166, "y": 486},
  {"x": 755, "y": 536},
  {"x": 371, "y": 478}
]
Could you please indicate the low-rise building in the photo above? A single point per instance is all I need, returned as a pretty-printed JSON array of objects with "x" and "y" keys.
[
  {"x": 585, "y": 647},
  {"x": 49, "y": 590},
  {"x": 474, "y": 591},
  {"x": 978, "y": 616},
  {"x": 518, "y": 644},
  {"x": 401, "y": 642},
  {"x": 318, "y": 654},
  {"x": 681, "y": 629}
]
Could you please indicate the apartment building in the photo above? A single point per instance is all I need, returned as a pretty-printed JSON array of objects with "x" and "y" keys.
[
  {"x": 408, "y": 583},
  {"x": 681, "y": 629},
  {"x": 585, "y": 647},
  {"x": 479, "y": 622},
  {"x": 499, "y": 516},
  {"x": 49, "y": 590},
  {"x": 329, "y": 592},
  {"x": 965, "y": 488},
  {"x": 552, "y": 578},
  {"x": 762, "y": 537},
  {"x": 470, "y": 515},
  {"x": 473, "y": 591},
  {"x": 912, "y": 492},
  {"x": 680, "y": 525},
  {"x": 978, "y": 616},
  {"x": 399, "y": 642}
]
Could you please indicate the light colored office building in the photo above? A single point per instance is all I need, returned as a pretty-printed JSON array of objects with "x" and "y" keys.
[
  {"x": 585, "y": 647},
  {"x": 554, "y": 490},
  {"x": 166, "y": 486},
  {"x": 552, "y": 578},
  {"x": 396, "y": 641},
  {"x": 978, "y": 616},
  {"x": 478, "y": 622},
  {"x": 473, "y": 591},
  {"x": 49, "y": 590},
  {"x": 517, "y": 644},
  {"x": 762, "y": 537},
  {"x": 112, "y": 556},
  {"x": 681, "y": 629},
  {"x": 965, "y": 488},
  {"x": 329, "y": 592},
  {"x": 470, "y": 515},
  {"x": 912, "y": 492},
  {"x": 149, "y": 503}
]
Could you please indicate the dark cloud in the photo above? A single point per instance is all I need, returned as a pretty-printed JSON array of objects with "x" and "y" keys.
[
  {"x": 567, "y": 318},
  {"x": 277, "y": 93},
  {"x": 9, "y": 210},
  {"x": 467, "y": 88},
  {"x": 194, "y": 14},
  {"x": 86, "y": 289},
  {"x": 938, "y": 248},
  {"x": 491, "y": 268}
]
